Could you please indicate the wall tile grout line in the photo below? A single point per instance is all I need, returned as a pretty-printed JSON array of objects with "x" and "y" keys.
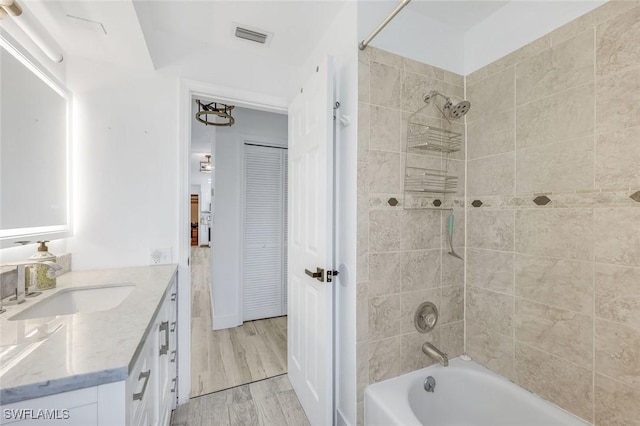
[
  {"x": 593, "y": 266},
  {"x": 515, "y": 224},
  {"x": 552, "y": 354},
  {"x": 538, "y": 254},
  {"x": 466, "y": 222}
]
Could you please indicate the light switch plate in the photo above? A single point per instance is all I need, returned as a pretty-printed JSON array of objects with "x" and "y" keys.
[{"x": 160, "y": 256}]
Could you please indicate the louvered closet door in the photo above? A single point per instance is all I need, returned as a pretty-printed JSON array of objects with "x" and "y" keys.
[{"x": 264, "y": 247}]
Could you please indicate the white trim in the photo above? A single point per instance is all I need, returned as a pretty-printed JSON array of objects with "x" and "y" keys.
[
  {"x": 184, "y": 245},
  {"x": 243, "y": 98},
  {"x": 243, "y": 193},
  {"x": 238, "y": 97},
  {"x": 341, "y": 419},
  {"x": 227, "y": 321}
]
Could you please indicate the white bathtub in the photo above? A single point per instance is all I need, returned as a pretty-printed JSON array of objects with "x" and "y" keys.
[{"x": 466, "y": 394}]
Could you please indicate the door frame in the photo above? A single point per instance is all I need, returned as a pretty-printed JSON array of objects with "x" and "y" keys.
[{"x": 186, "y": 90}]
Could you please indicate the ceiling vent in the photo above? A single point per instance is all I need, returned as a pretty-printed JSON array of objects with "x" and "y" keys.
[{"x": 256, "y": 35}]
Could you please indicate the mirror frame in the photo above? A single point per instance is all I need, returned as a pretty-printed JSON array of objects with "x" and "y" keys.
[{"x": 18, "y": 236}]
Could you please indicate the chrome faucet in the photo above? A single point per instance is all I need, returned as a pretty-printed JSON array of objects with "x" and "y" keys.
[
  {"x": 19, "y": 294},
  {"x": 435, "y": 353},
  {"x": 21, "y": 291}
]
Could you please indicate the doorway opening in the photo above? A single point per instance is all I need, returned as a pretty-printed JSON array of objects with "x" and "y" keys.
[
  {"x": 195, "y": 218},
  {"x": 239, "y": 263}
]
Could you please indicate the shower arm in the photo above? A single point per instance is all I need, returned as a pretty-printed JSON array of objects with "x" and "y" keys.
[{"x": 432, "y": 94}]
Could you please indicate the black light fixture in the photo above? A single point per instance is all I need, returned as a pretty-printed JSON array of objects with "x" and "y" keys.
[
  {"x": 205, "y": 166},
  {"x": 214, "y": 110}
]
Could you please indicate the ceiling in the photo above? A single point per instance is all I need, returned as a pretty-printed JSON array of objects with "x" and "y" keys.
[
  {"x": 194, "y": 39},
  {"x": 175, "y": 29},
  {"x": 114, "y": 36},
  {"x": 459, "y": 15},
  {"x": 200, "y": 25}
]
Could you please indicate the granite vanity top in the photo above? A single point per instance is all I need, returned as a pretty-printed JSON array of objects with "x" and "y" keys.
[{"x": 45, "y": 356}]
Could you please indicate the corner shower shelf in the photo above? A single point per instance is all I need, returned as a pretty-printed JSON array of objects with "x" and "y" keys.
[
  {"x": 429, "y": 181},
  {"x": 423, "y": 137},
  {"x": 430, "y": 146}
]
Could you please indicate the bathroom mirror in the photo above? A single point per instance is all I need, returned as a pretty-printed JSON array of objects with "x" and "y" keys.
[{"x": 34, "y": 150}]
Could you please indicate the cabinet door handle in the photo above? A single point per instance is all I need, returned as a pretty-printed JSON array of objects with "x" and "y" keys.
[
  {"x": 173, "y": 356},
  {"x": 164, "y": 327},
  {"x": 144, "y": 375},
  {"x": 174, "y": 296},
  {"x": 175, "y": 384},
  {"x": 173, "y": 326}
]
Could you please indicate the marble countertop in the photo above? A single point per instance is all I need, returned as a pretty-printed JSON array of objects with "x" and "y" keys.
[{"x": 45, "y": 356}]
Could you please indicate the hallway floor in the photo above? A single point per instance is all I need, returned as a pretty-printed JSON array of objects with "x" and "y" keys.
[
  {"x": 223, "y": 359},
  {"x": 269, "y": 402}
]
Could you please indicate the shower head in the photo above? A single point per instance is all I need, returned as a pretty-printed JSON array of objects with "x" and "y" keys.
[
  {"x": 456, "y": 110},
  {"x": 454, "y": 107}
]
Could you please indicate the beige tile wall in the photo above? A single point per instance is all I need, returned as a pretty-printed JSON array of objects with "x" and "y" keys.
[
  {"x": 553, "y": 292},
  {"x": 402, "y": 260}
]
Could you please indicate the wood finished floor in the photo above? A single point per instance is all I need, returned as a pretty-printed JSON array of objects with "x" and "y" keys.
[
  {"x": 223, "y": 359},
  {"x": 270, "y": 402}
]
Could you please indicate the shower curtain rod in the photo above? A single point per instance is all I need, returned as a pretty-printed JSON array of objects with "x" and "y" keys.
[{"x": 364, "y": 43}]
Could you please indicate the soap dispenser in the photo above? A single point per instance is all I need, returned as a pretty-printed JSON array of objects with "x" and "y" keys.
[{"x": 43, "y": 276}]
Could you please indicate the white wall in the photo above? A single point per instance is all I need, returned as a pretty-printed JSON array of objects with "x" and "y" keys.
[
  {"x": 340, "y": 41},
  {"x": 515, "y": 25},
  {"x": 226, "y": 236},
  {"x": 416, "y": 36},
  {"x": 412, "y": 35},
  {"x": 125, "y": 134},
  {"x": 58, "y": 70}
]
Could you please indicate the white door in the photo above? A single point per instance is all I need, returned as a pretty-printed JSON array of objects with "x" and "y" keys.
[
  {"x": 310, "y": 324},
  {"x": 264, "y": 241}
]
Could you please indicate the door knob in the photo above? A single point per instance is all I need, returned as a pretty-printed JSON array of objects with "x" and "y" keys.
[{"x": 318, "y": 275}]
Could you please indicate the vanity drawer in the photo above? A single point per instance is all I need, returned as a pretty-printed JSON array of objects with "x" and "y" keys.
[
  {"x": 141, "y": 385},
  {"x": 77, "y": 407}
]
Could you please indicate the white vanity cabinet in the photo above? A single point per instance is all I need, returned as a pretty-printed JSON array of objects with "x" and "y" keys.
[
  {"x": 145, "y": 398},
  {"x": 166, "y": 353},
  {"x": 141, "y": 388},
  {"x": 156, "y": 368}
]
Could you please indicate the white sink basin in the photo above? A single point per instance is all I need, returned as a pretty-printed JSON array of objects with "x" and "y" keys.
[{"x": 75, "y": 300}]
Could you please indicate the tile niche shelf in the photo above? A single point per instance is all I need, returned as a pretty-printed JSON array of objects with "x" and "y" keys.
[{"x": 433, "y": 182}]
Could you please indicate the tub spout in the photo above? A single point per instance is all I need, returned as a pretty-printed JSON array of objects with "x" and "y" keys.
[{"x": 435, "y": 353}]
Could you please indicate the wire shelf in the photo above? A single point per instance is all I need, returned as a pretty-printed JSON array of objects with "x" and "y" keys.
[
  {"x": 423, "y": 137},
  {"x": 430, "y": 181}
]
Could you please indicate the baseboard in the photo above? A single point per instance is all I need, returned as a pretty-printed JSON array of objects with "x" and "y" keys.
[
  {"x": 225, "y": 321},
  {"x": 341, "y": 420}
]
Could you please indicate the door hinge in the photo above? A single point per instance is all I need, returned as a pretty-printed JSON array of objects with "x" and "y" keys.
[{"x": 331, "y": 274}]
